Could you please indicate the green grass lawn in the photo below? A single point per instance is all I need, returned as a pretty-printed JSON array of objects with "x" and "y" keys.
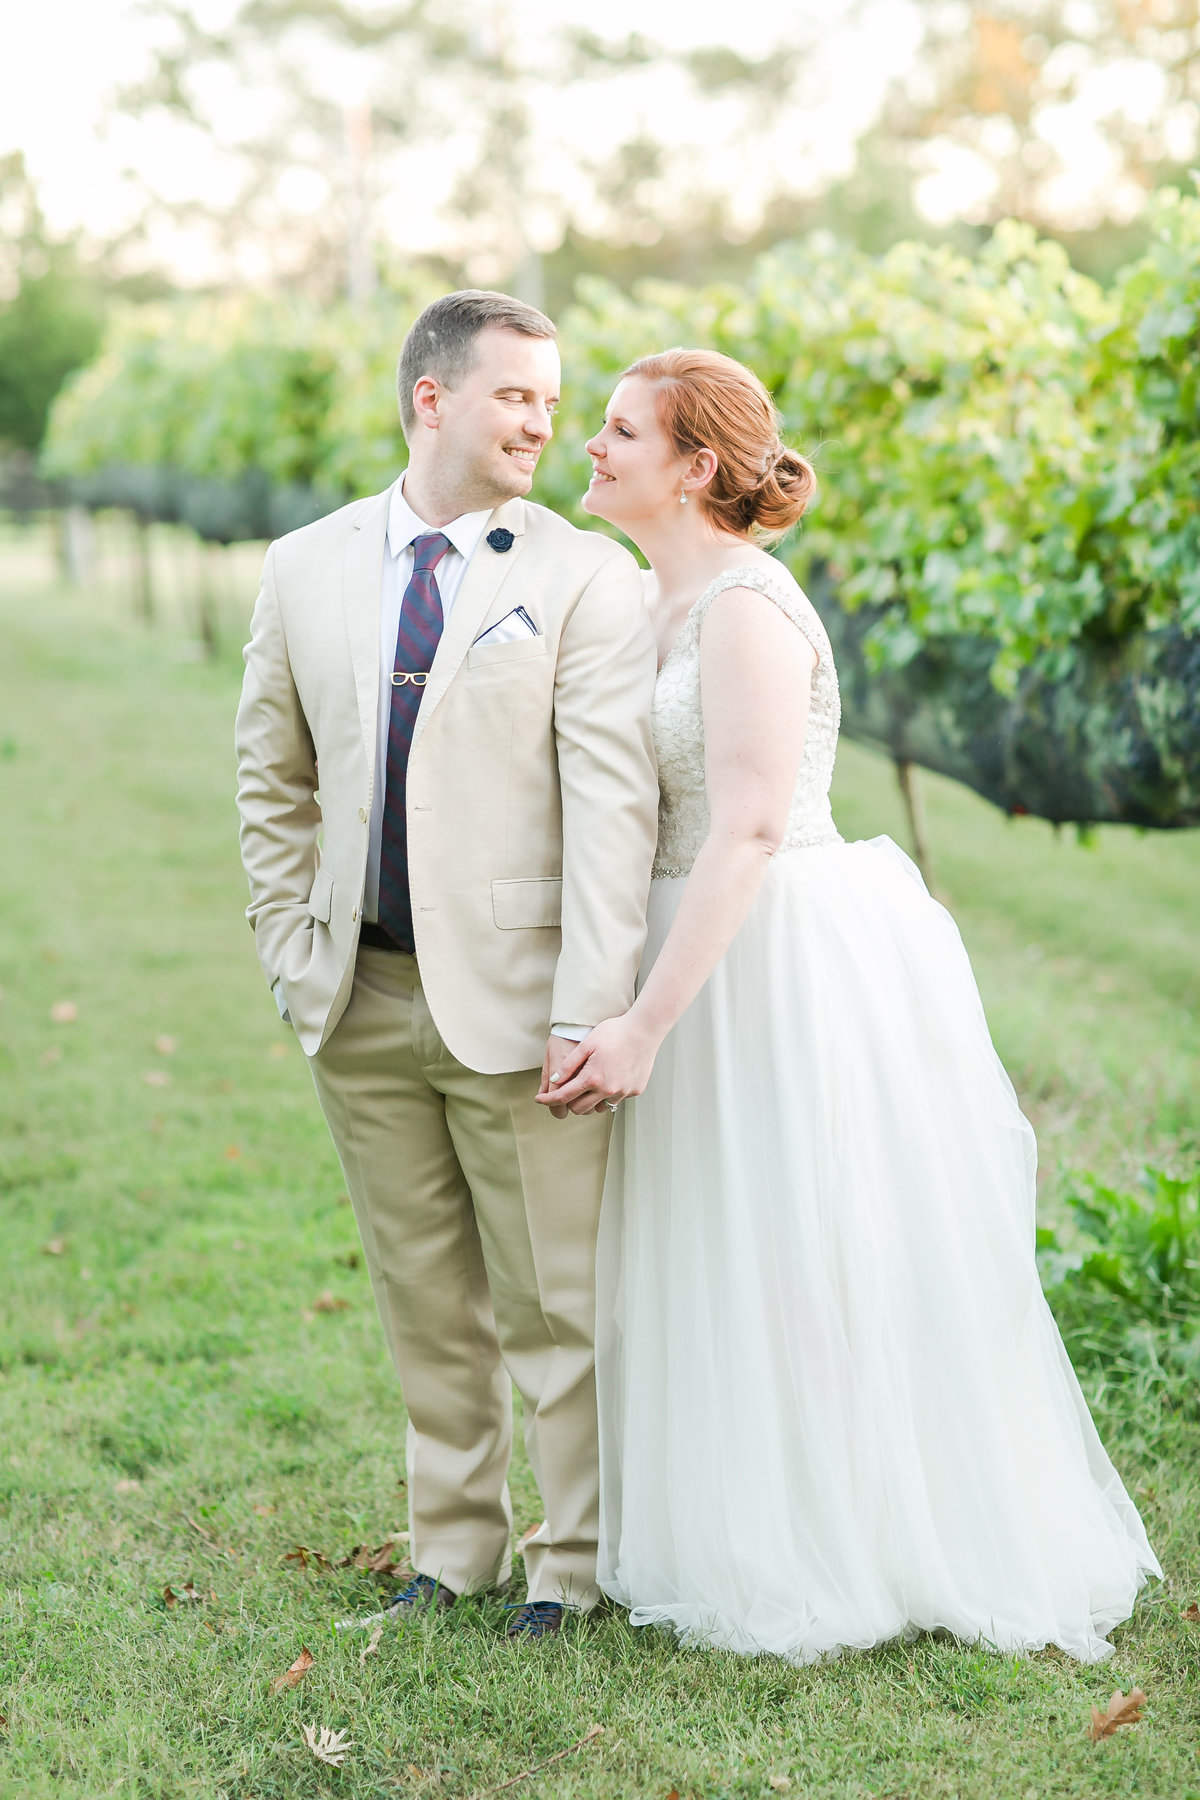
[{"x": 193, "y": 1382}]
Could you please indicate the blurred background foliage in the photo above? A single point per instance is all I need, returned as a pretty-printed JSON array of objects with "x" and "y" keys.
[
  {"x": 309, "y": 107},
  {"x": 1002, "y": 399},
  {"x": 1008, "y": 447},
  {"x": 50, "y": 311}
]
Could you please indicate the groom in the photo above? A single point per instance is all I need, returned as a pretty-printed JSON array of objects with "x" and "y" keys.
[{"x": 462, "y": 899}]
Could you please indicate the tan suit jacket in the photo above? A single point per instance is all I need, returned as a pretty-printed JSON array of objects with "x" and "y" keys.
[{"x": 532, "y": 791}]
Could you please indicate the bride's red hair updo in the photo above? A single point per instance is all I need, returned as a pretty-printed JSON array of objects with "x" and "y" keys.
[{"x": 709, "y": 401}]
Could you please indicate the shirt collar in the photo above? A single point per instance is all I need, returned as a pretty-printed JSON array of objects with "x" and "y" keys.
[{"x": 404, "y": 527}]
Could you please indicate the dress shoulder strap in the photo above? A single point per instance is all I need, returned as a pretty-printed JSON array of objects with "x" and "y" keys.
[{"x": 781, "y": 588}]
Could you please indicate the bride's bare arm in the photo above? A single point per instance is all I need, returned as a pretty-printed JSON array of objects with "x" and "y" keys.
[{"x": 755, "y": 677}]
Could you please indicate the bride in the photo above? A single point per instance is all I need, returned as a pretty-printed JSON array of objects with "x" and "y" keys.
[{"x": 834, "y": 1404}]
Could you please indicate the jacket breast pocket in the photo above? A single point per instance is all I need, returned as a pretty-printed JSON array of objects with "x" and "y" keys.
[
  {"x": 525, "y": 905},
  {"x": 524, "y": 649}
]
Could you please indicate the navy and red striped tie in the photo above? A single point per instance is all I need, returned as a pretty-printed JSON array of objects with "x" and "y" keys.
[{"x": 420, "y": 630}]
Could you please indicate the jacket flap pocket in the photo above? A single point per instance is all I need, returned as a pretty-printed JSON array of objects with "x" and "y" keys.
[
  {"x": 320, "y": 901},
  {"x": 520, "y": 649},
  {"x": 521, "y": 905}
]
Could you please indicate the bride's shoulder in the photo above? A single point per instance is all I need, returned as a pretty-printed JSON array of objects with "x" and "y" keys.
[
  {"x": 759, "y": 574},
  {"x": 765, "y": 575}
]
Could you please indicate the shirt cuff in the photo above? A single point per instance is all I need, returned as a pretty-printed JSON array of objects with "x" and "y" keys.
[{"x": 575, "y": 1032}]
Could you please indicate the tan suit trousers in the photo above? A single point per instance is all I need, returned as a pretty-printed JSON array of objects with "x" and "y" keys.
[{"x": 478, "y": 1212}]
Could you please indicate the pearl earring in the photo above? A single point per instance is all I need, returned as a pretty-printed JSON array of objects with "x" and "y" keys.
[{"x": 682, "y": 498}]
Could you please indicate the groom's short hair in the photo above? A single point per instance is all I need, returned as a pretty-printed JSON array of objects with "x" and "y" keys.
[{"x": 441, "y": 342}]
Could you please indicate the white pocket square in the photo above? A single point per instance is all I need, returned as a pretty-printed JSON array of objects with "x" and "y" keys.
[{"x": 515, "y": 624}]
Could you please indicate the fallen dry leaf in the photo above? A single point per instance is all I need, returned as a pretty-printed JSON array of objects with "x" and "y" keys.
[
  {"x": 372, "y": 1649},
  {"x": 1122, "y": 1709},
  {"x": 302, "y": 1555},
  {"x": 386, "y": 1560},
  {"x": 127, "y": 1485},
  {"x": 49, "y": 1057},
  {"x": 232, "y": 1152},
  {"x": 1192, "y": 1615},
  {"x": 64, "y": 1012},
  {"x": 55, "y": 1247},
  {"x": 328, "y": 1301},
  {"x": 674, "y": 1794},
  {"x": 156, "y": 1078},
  {"x": 277, "y": 1051},
  {"x": 592, "y": 1732},
  {"x": 331, "y": 1747},
  {"x": 529, "y": 1531},
  {"x": 291, "y": 1677},
  {"x": 263, "y": 1511},
  {"x": 166, "y": 1046},
  {"x": 344, "y": 1200},
  {"x": 781, "y": 1783},
  {"x": 187, "y": 1592}
]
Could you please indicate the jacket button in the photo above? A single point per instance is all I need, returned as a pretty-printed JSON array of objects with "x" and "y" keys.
[
  {"x": 354, "y": 916},
  {"x": 362, "y": 813}
]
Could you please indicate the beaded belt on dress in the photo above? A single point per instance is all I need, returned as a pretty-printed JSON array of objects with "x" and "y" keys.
[{"x": 673, "y": 871}]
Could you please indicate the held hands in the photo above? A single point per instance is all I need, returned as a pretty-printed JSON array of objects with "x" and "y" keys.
[
  {"x": 611, "y": 1064},
  {"x": 557, "y": 1051}
]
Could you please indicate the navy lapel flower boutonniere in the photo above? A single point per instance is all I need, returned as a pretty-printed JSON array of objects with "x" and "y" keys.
[{"x": 500, "y": 539}]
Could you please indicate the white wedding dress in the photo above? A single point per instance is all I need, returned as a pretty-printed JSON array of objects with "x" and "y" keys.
[{"x": 834, "y": 1405}]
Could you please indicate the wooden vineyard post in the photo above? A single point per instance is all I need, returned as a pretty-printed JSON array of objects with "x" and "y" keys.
[
  {"x": 145, "y": 569},
  {"x": 207, "y": 598},
  {"x": 77, "y": 545},
  {"x": 914, "y": 812}
]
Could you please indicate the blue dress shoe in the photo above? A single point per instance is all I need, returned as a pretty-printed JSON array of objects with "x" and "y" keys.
[
  {"x": 535, "y": 1619},
  {"x": 423, "y": 1594}
]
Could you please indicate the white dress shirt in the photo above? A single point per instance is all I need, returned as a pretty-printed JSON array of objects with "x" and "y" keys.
[{"x": 403, "y": 529}]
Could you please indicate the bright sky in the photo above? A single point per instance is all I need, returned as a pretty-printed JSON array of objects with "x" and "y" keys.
[{"x": 65, "y": 57}]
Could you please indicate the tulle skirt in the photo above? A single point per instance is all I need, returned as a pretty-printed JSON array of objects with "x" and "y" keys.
[{"x": 834, "y": 1405}]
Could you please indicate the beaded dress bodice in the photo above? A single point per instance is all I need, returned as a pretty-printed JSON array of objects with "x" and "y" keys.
[{"x": 678, "y": 724}]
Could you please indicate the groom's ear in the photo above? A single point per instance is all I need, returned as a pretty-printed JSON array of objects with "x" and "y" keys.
[{"x": 427, "y": 402}]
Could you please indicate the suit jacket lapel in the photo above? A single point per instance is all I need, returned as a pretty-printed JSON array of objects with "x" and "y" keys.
[
  {"x": 362, "y": 581},
  {"x": 480, "y": 585}
]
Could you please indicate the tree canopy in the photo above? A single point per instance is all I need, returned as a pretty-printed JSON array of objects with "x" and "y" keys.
[{"x": 50, "y": 313}]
